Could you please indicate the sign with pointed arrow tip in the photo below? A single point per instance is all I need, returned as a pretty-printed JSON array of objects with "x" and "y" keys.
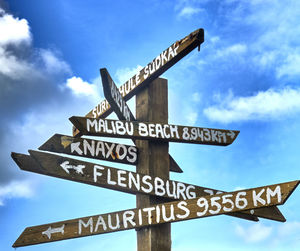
[
  {"x": 51, "y": 231},
  {"x": 120, "y": 107},
  {"x": 114, "y": 97},
  {"x": 90, "y": 148},
  {"x": 125, "y": 181},
  {"x": 162, "y": 213},
  {"x": 151, "y": 71},
  {"x": 154, "y": 131}
]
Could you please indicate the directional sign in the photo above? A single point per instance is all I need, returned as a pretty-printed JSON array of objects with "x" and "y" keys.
[
  {"x": 153, "y": 131},
  {"x": 154, "y": 69},
  {"x": 90, "y": 148},
  {"x": 51, "y": 231},
  {"x": 157, "y": 214},
  {"x": 115, "y": 99},
  {"x": 125, "y": 181}
]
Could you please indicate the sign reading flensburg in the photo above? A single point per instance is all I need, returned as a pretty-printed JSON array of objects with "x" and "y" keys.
[{"x": 123, "y": 180}]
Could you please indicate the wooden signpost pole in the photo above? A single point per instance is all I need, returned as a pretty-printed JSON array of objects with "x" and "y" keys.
[{"x": 152, "y": 106}]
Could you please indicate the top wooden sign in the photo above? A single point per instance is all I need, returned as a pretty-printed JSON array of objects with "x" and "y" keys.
[{"x": 151, "y": 71}]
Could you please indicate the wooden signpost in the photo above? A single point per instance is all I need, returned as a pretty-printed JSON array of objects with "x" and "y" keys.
[
  {"x": 119, "y": 106},
  {"x": 160, "y": 201},
  {"x": 114, "y": 97},
  {"x": 91, "y": 148},
  {"x": 158, "y": 214},
  {"x": 124, "y": 181},
  {"x": 154, "y": 131},
  {"x": 151, "y": 71}
]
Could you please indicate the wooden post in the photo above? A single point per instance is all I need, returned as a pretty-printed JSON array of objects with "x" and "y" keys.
[{"x": 152, "y": 106}]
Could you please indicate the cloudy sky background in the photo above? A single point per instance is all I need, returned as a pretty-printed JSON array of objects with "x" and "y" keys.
[{"x": 245, "y": 77}]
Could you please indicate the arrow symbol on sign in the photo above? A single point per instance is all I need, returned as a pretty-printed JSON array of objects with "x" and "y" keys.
[
  {"x": 75, "y": 147},
  {"x": 231, "y": 134},
  {"x": 50, "y": 231},
  {"x": 65, "y": 165}
]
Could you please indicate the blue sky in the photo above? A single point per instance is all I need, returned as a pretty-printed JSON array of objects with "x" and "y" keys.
[{"x": 246, "y": 77}]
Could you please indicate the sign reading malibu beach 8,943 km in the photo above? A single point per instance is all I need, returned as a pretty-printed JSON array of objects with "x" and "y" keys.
[
  {"x": 160, "y": 201},
  {"x": 154, "y": 131}
]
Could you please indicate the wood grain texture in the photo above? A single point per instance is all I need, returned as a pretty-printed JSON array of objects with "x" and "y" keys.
[
  {"x": 154, "y": 131},
  {"x": 121, "y": 109},
  {"x": 152, "y": 105},
  {"x": 124, "y": 181},
  {"x": 90, "y": 148},
  {"x": 158, "y": 214},
  {"x": 151, "y": 71}
]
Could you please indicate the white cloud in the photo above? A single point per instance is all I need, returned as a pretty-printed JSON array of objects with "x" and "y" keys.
[
  {"x": 124, "y": 74},
  {"x": 13, "y": 30},
  {"x": 191, "y": 118},
  {"x": 290, "y": 66},
  {"x": 269, "y": 104},
  {"x": 189, "y": 11},
  {"x": 254, "y": 233},
  {"x": 289, "y": 228},
  {"x": 52, "y": 63},
  {"x": 238, "y": 188},
  {"x": 16, "y": 189},
  {"x": 80, "y": 87},
  {"x": 235, "y": 49},
  {"x": 196, "y": 97},
  {"x": 277, "y": 33},
  {"x": 13, "y": 67}
]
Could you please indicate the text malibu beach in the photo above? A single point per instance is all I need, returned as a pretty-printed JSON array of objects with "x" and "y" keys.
[{"x": 164, "y": 132}]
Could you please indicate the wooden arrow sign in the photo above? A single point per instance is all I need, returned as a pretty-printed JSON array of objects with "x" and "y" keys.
[
  {"x": 157, "y": 214},
  {"x": 154, "y": 69},
  {"x": 90, "y": 148},
  {"x": 115, "y": 99},
  {"x": 125, "y": 181},
  {"x": 153, "y": 131}
]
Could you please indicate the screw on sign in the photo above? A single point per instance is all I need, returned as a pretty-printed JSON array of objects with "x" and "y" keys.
[
  {"x": 157, "y": 214},
  {"x": 125, "y": 181}
]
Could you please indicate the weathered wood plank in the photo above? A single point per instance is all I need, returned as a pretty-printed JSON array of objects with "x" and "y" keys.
[
  {"x": 114, "y": 97},
  {"x": 154, "y": 69},
  {"x": 119, "y": 106},
  {"x": 90, "y": 148},
  {"x": 124, "y": 181},
  {"x": 254, "y": 198},
  {"x": 152, "y": 105},
  {"x": 154, "y": 131}
]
